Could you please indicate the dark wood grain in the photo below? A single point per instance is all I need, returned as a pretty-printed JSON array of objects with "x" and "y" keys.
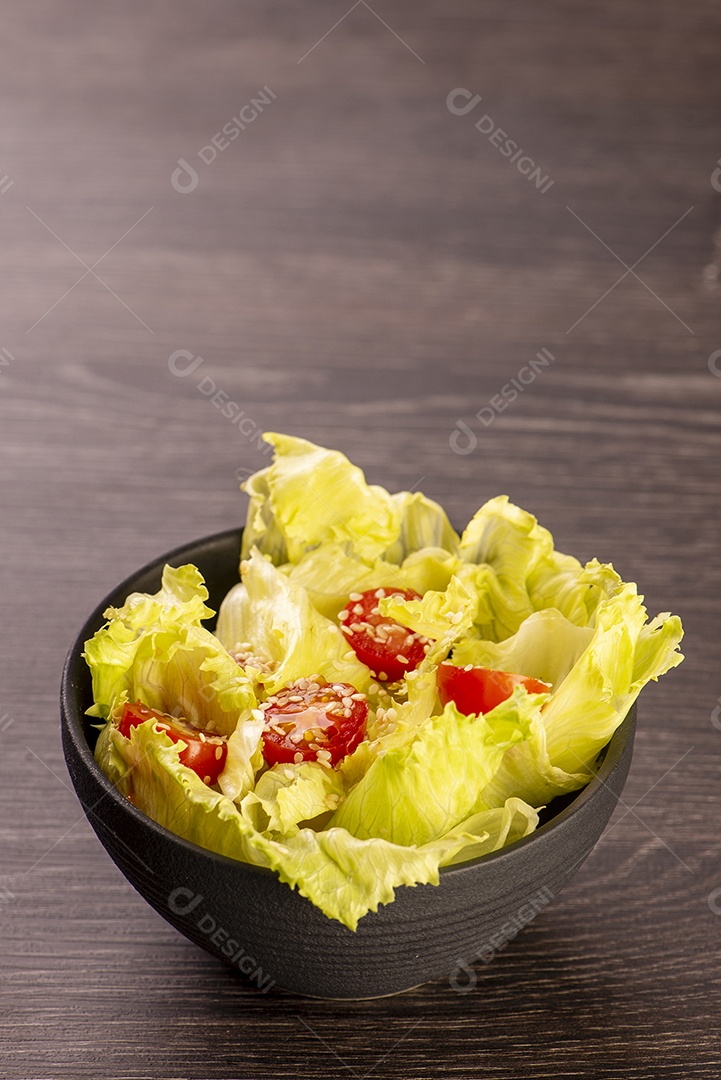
[{"x": 364, "y": 268}]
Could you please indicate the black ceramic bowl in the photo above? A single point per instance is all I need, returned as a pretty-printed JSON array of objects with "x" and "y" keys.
[{"x": 243, "y": 914}]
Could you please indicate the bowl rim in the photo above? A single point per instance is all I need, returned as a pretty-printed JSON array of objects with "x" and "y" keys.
[{"x": 72, "y": 719}]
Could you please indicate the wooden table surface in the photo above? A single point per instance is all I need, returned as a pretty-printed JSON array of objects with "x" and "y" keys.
[{"x": 368, "y": 267}]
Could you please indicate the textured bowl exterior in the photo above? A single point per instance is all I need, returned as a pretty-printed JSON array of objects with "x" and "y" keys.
[{"x": 246, "y": 916}]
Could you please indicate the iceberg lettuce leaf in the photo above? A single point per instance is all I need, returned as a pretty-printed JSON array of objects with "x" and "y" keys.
[
  {"x": 625, "y": 653},
  {"x": 291, "y": 795},
  {"x": 310, "y": 495},
  {"x": 490, "y": 830},
  {"x": 415, "y": 792},
  {"x": 515, "y": 571},
  {"x": 423, "y": 524},
  {"x": 546, "y": 646},
  {"x": 526, "y": 772},
  {"x": 595, "y": 672},
  {"x": 154, "y": 650},
  {"x": 244, "y": 759},
  {"x": 273, "y": 617},
  {"x": 331, "y": 572},
  {"x": 441, "y": 615}
]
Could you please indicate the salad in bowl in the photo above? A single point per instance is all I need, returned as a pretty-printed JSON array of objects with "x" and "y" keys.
[{"x": 380, "y": 696}]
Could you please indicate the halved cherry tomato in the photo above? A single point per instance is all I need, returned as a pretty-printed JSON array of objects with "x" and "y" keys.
[
  {"x": 313, "y": 720},
  {"x": 384, "y": 645},
  {"x": 205, "y": 753},
  {"x": 479, "y": 689}
]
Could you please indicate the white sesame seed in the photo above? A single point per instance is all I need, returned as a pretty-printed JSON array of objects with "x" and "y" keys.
[
  {"x": 382, "y": 676},
  {"x": 357, "y": 697},
  {"x": 298, "y": 758},
  {"x": 372, "y": 687},
  {"x": 218, "y": 753},
  {"x": 206, "y": 779},
  {"x": 402, "y": 659},
  {"x": 347, "y": 702},
  {"x": 468, "y": 667},
  {"x": 355, "y": 597},
  {"x": 257, "y": 714},
  {"x": 343, "y": 615},
  {"x": 358, "y": 609},
  {"x": 288, "y": 774},
  {"x": 380, "y": 593}
]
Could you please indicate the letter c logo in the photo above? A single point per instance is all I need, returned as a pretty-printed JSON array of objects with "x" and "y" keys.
[
  {"x": 456, "y": 445},
  {"x": 177, "y": 901},
  {"x": 716, "y": 716},
  {"x": 466, "y": 982},
  {"x": 181, "y": 370},
  {"x": 716, "y": 178},
  {"x": 184, "y": 179},
  {"x": 713, "y": 901},
  {"x": 471, "y": 101}
]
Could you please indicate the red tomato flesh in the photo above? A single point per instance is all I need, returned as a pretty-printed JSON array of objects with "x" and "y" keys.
[
  {"x": 204, "y": 753},
  {"x": 313, "y": 720},
  {"x": 384, "y": 645},
  {"x": 478, "y": 689}
]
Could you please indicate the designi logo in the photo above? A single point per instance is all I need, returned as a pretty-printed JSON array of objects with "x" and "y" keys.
[{"x": 184, "y": 179}]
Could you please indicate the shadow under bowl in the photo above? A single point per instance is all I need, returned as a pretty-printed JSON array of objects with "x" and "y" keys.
[{"x": 246, "y": 916}]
